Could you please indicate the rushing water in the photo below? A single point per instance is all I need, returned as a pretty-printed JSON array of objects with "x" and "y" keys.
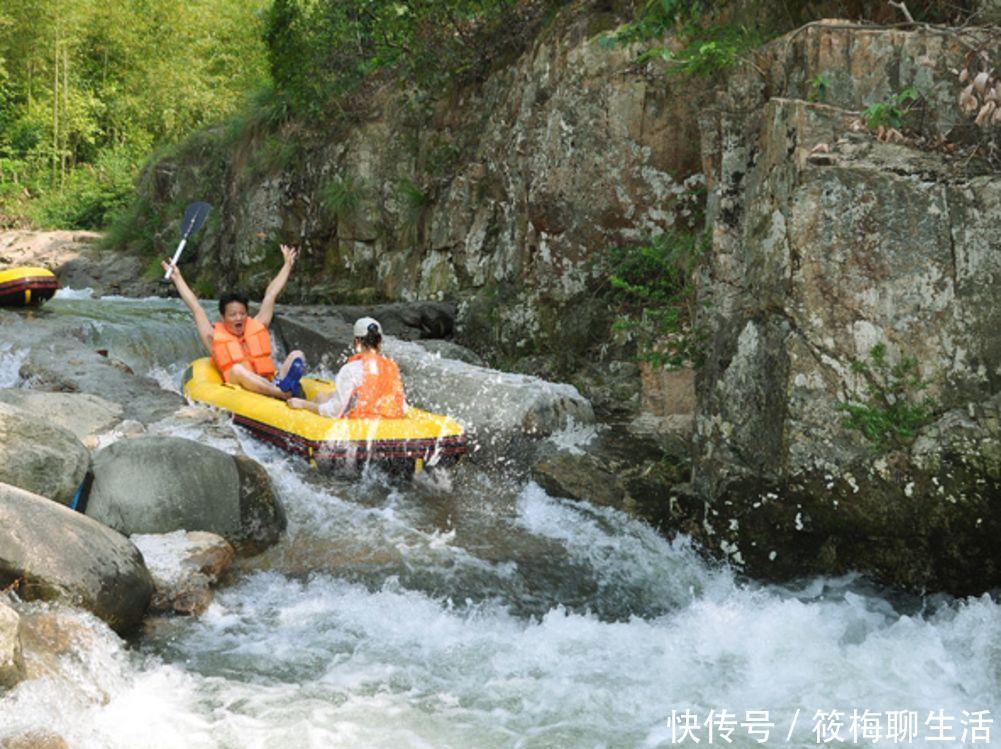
[{"x": 474, "y": 610}]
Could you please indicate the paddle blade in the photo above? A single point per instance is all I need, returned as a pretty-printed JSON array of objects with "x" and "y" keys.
[{"x": 194, "y": 216}]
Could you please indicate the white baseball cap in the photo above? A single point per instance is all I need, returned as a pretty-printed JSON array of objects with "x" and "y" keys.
[{"x": 363, "y": 324}]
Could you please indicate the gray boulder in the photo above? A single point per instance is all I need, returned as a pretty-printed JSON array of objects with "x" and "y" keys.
[
  {"x": 164, "y": 484},
  {"x": 53, "y": 553},
  {"x": 39, "y": 456},
  {"x": 501, "y": 412},
  {"x": 64, "y": 364},
  {"x": 619, "y": 467},
  {"x": 83, "y": 414}
]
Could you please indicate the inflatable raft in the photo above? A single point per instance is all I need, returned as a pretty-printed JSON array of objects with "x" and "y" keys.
[
  {"x": 419, "y": 439},
  {"x": 21, "y": 287}
]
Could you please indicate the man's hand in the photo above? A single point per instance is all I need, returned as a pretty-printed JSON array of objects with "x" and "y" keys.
[
  {"x": 175, "y": 272},
  {"x": 290, "y": 254},
  {"x": 297, "y": 403}
]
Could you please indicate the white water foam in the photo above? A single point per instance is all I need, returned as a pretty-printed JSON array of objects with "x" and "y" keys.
[
  {"x": 67, "y": 294},
  {"x": 320, "y": 661},
  {"x": 325, "y": 663},
  {"x": 11, "y": 360},
  {"x": 168, "y": 377}
]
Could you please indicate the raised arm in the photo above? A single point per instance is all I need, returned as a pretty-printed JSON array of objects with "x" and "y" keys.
[
  {"x": 201, "y": 319},
  {"x": 267, "y": 310}
]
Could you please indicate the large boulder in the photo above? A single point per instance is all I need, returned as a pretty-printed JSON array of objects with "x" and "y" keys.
[
  {"x": 164, "y": 484},
  {"x": 501, "y": 412},
  {"x": 620, "y": 467},
  {"x": 39, "y": 456},
  {"x": 62, "y": 363},
  {"x": 70, "y": 650},
  {"x": 83, "y": 414},
  {"x": 53, "y": 553}
]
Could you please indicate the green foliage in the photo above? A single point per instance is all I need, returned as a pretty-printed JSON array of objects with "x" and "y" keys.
[
  {"x": 894, "y": 410},
  {"x": 706, "y": 50},
  {"x": 654, "y": 19},
  {"x": 890, "y": 113},
  {"x": 88, "y": 88},
  {"x": 653, "y": 283},
  {"x": 710, "y": 52},
  {"x": 412, "y": 198},
  {"x": 93, "y": 192},
  {"x": 413, "y": 203},
  {"x": 342, "y": 196},
  {"x": 126, "y": 229},
  {"x": 320, "y": 50},
  {"x": 274, "y": 154},
  {"x": 818, "y": 87}
]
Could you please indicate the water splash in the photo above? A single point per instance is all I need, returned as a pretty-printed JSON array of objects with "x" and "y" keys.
[
  {"x": 11, "y": 360},
  {"x": 67, "y": 294}
]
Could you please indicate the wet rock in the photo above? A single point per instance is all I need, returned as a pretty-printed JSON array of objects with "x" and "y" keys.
[
  {"x": 185, "y": 567},
  {"x": 160, "y": 484},
  {"x": 500, "y": 411},
  {"x": 127, "y": 429},
  {"x": 60, "y": 363},
  {"x": 262, "y": 514},
  {"x": 406, "y": 320},
  {"x": 617, "y": 468},
  {"x": 39, "y": 456},
  {"x": 449, "y": 350},
  {"x": 90, "y": 566},
  {"x": 82, "y": 414},
  {"x": 674, "y": 433},
  {"x": 71, "y": 647},
  {"x": 11, "y": 660},
  {"x": 614, "y": 387},
  {"x": 579, "y": 476}
]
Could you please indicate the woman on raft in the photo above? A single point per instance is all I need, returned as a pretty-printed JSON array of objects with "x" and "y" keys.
[
  {"x": 240, "y": 345},
  {"x": 368, "y": 386}
]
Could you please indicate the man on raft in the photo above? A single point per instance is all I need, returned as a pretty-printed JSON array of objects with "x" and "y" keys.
[
  {"x": 240, "y": 345},
  {"x": 367, "y": 387}
]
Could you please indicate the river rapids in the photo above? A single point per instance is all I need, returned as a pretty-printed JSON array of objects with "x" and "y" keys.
[{"x": 470, "y": 609}]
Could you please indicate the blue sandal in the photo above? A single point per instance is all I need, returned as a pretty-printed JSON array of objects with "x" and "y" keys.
[{"x": 290, "y": 382}]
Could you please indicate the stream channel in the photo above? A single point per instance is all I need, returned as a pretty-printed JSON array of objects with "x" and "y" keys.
[{"x": 471, "y": 609}]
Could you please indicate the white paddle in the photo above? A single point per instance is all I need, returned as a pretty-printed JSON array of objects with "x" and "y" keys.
[{"x": 194, "y": 217}]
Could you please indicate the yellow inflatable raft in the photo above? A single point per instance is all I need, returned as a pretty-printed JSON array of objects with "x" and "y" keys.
[
  {"x": 420, "y": 438},
  {"x": 20, "y": 287}
]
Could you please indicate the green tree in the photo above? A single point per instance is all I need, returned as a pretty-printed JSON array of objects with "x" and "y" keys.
[{"x": 90, "y": 87}]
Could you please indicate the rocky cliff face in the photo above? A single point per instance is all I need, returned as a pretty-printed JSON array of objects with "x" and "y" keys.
[
  {"x": 829, "y": 245},
  {"x": 503, "y": 196}
]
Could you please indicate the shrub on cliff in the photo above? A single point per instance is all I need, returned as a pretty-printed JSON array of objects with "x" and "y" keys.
[
  {"x": 321, "y": 51},
  {"x": 653, "y": 282}
]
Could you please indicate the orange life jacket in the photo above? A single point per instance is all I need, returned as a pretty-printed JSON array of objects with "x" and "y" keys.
[
  {"x": 381, "y": 392},
  {"x": 254, "y": 348}
]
